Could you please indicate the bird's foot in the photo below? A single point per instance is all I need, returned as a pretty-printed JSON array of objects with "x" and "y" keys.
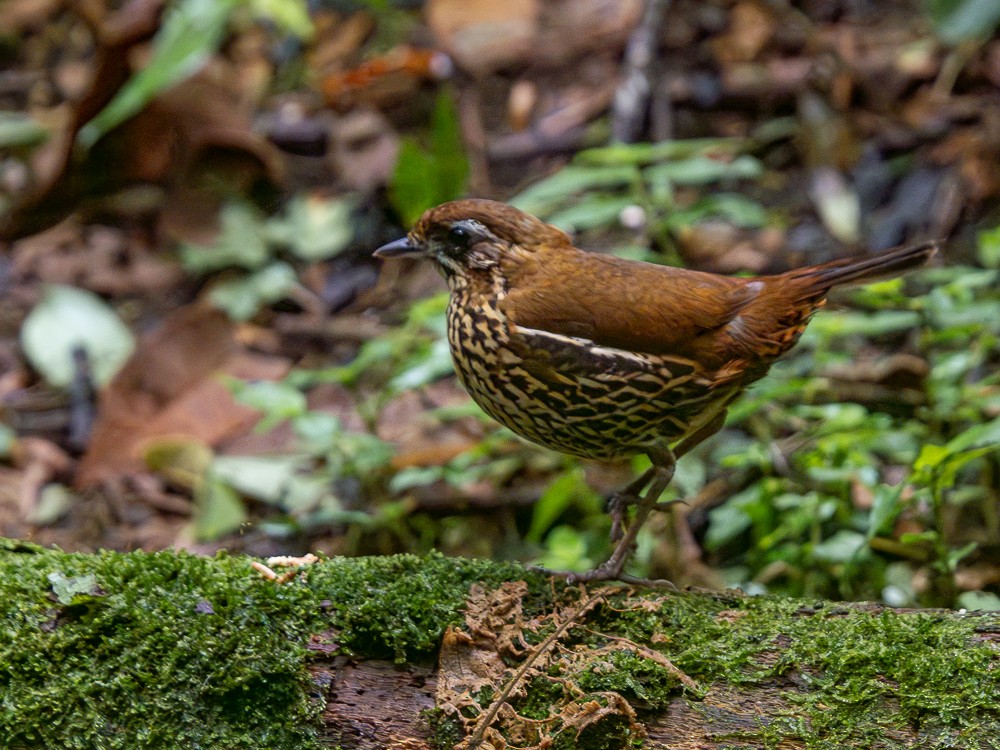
[
  {"x": 605, "y": 573},
  {"x": 665, "y": 505},
  {"x": 618, "y": 506}
]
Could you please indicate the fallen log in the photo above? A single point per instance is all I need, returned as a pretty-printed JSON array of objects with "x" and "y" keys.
[{"x": 166, "y": 649}]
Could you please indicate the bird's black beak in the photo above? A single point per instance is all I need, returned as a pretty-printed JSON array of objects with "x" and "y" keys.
[{"x": 401, "y": 248}]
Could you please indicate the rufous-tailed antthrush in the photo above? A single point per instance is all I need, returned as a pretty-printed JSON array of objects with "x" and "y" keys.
[{"x": 601, "y": 357}]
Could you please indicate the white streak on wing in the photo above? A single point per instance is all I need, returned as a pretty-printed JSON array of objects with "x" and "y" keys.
[{"x": 576, "y": 341}]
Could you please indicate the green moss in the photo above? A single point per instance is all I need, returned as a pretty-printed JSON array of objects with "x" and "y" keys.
[
  {"x": 539, "y": 697},
  {"x": 170, "y": 650},
  {"x": 862, "y": 677},
  {"x": 446, "y": 729},
  {"x": 638, "y": 679},
  {"x": 164, "y": 650},
  {"x": 399, "y": 606}
]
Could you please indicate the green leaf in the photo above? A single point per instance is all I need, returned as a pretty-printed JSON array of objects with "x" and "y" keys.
[
  {"x": 313, "y": 228},
  {"x": 218, "y": 509},
  {"x": 569, "y": 181},
  {"x": 730, "y": 207},
  {"x": 264, "y": 478},
  {"x": 985, "y": 435},
  {"x": 592, "y": 211},
  {"x": 317, "y": 431},
  {"x": 979, "y": 601},
  {"x": 702, "y": 170},
  {"x": 566, "y": 549},
  {"x": 68, "y": 588},
  {"x": 182, "y": 461},
  {"x": 359, "y": 454},
  {"x": 67, "y": 318},
  {"x": 308, "y": 493},
  {"x": 839, "y": 324},
  {"x": 241, "y": 298},
  {"x": 18, "y": 130},
  {"x": 959, "y": 20},
  {"x": 931, "y": 456},
  {"x": 277, "y": 401},
  {"x": 415, "y": 476},
  {"x": 291, "y": 16},
  {"x": 448, "y": 149},
  {"x": 731, "y": 519},
  {"x": 412, "y": 190},
  {"x": 919, "y": 538},
  {"x": 988, "y": 247},
  {"x": 955, "y": 556},
  {"x": 7, "y": 439},
  {"x": 426, "y": 177},
  {"x": 54, "y": 501},
  {"x": 241, "y": 242},
  {"x": 558, "y": 496},
  {"x": 886, "y": 507},
  {"x": 190, "y": 33},
  {"x": 430, "y": 313},
  {"x": 842, "y": 547},
  {"x": 618, "y": 154},
  {"x": 434, "y": 364}
]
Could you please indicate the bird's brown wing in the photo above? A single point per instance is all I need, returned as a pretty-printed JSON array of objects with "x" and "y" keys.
[{"x": 638, "y": 307}]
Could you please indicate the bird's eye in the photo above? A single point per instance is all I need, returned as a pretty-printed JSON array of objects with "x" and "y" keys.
[{"x": 459, "y": 236}]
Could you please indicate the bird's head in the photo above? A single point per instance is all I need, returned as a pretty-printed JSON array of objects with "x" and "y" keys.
[{"x": 474, "y": 238}]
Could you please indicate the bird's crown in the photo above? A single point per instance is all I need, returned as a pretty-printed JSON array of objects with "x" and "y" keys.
[{"x": 472, "y": 235}]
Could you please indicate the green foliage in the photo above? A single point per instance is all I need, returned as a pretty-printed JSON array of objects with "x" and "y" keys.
[
  {"x": 7, "y": 439},
  {"x": 191, "y": 32},
  {"x": 599, "y": 183},
  {"x": 303, "y": 485},
  {"x": 19, "y": 130},
  {"x": 799, "y": 528},
  {"x": 240, "y": 298},
  {"x": 427, "y": 176},
  {"x": 65, "y": 319},
  {"x": 956, "y": 21},
  {"x": 310, "y": 229},
  {"x": 408, "y": 356}
]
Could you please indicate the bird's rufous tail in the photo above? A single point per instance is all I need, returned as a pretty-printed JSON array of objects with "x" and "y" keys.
[{"x": 856, "y": 270}]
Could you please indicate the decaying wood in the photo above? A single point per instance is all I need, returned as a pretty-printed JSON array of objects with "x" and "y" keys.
[
  {"x": 526, "y": 661},
  {"x": 376, "y": 704}
]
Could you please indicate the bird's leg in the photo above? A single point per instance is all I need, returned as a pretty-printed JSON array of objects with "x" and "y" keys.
[
  {"x": 692, "y": 441},
  {"x": 631, "y": 493},
  {"x": 655, "y": 480},
  {"x": 660, "y": 475},
  {"x": 621, "y": 500}
]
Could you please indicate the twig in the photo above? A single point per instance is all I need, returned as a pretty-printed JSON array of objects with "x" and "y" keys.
[{"x": 632, "y": 97}]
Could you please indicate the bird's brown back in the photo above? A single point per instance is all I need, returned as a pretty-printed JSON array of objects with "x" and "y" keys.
[{"x": 704, "y": 317}]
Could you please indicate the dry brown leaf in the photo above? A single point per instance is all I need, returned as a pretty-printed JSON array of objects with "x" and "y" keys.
[
  {"x": 483, "y": 35},
  {"x": 171, "y": 386},
  {"x": 200, "y": 126},
  {"x": 751, "y": 27}
]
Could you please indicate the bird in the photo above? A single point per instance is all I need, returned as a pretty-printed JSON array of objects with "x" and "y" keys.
[{"x": 602, "y": 357}]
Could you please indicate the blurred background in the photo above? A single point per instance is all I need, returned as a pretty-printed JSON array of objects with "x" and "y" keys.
[{"x": 198, "y": 351}]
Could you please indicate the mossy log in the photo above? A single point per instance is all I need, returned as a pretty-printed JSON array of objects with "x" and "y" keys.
[{"x": 169, "y": 650}]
